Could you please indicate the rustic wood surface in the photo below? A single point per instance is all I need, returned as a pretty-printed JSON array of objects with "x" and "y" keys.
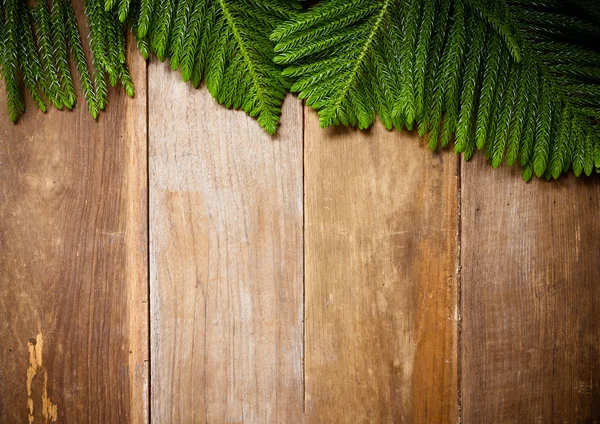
[
  {"x": 381, "y": 225},
  {"x": 530, "y": 298},
  {"x": 73, "y": 263},
  {"x": 226, "y": 260},
  {"x": 320, "y": 276}
]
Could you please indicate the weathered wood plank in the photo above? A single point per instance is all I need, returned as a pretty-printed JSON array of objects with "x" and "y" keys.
[
  {"x": 530, "y": 275},
  {"x": 226, "y": 260},
  {"x": 73, "y": 263},
  {"x": 381, "y": 259}
]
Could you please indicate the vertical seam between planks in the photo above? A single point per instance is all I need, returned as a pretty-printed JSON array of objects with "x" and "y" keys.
[
  {"x": 149, "y": 282},
  {"x": 459, "y": 290},
  {"x": 303, "y": 260}
]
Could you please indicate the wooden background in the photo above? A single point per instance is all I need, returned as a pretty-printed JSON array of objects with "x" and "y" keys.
[{"x": 171, "y": 263}]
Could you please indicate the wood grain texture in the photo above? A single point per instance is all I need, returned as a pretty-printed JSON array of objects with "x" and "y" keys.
[
  {"x": 381, "y": 260},
  {"x": 226, "y": 260},
  {"x": 73, "y": 263},
  {"x": 530, "y": 275}
]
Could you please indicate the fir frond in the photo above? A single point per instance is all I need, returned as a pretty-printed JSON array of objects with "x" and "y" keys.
[
  {"x": 560, "y": 153},
  {"x": 496, "y": 15},
  {"x": 504, "y": 75},
  {"x": 124, "y": 7},
  {"x": 145, "y": 17},
  {"x": 79, "y": 57},
  {"x": 579, "y": 153},
  {"x": 465, "y": 130},
  {"x": 260, "y": 86},
  {"x": 226, "y": 42},
  {"x": 445, "y": 93},
  {"x": 541, "y": 147},
  {"x": 504, "y": 114},
  {"x": 433, "y": 93},
  {"x": 28, "y": 57},
  {"x": 51, "y": 84},
  {"x": 126, "y": 80},
  {"x": 195, "y": 65},
  {"x": 519, "y": 116},
  {"x": 422, "y": 50},
  {"x": 120, "y": 48},
  {"x": 10, "y": 53},
  {"x": 488, "y": 90},
  {"x": 159, "y": 36},
  {"x": 511, "y": 77},
  {"x": 530, "y": 126},
  {"x": 519, "y": 79},
  {"x": 453, "y": 71},
  {"x": 180, "y": 23},
  {"x": 115, "y": 51},
  {"x": 408, "y": 63},
  {"x": 193, "y": 36},
  {"x": 133, "y": 22},
  {"x": 99, "y": 33},
  {"x": 345, "y": 88},
  {"x": 59, "y": 41}
]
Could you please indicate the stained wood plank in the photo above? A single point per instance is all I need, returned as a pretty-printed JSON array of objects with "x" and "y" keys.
[
  {"x": 226, "y": 260},
  {"x": 381, "y": 258},
  {"x": 530, "y": 274},
  {"x": 73, "y": 263}
]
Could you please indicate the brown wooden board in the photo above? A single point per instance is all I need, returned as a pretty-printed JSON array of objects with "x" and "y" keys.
[
  {"x": 530, "y": 296},
  {"x": 226, "y": 259},
  {"x": 381, "y": 252},
  {"x": 379, "y": 244},
  {"x": 73, "y": 263}
]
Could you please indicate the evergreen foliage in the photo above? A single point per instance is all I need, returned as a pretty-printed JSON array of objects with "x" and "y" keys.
[
  {"x": 518, "y": 79},
  {"x": 226, "y": 43}
]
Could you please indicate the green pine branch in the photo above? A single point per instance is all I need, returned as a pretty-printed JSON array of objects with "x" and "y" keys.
[
  {"x": 517, "y": 79},
  {"x": 10, "y": 51},
  {"x": 79, "y": 57},
  {"x": 59, "y": 41},
  {"x": 31, "y": 68},
  {"x": 226, "y": 42},
  {"x": 43, "y": 25}
]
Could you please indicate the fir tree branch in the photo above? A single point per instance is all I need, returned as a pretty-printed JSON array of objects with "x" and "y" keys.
[
  {"x": 519, "y": 79},
  {"x": 506, "y": 77},
  {"x": 28, "y": 57},
  {"x": 51, "y": 85},
  {"x": 74, "y": 40},
  {"x": 9, "y": 60},
  {"x": 59, "y": 41}
]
